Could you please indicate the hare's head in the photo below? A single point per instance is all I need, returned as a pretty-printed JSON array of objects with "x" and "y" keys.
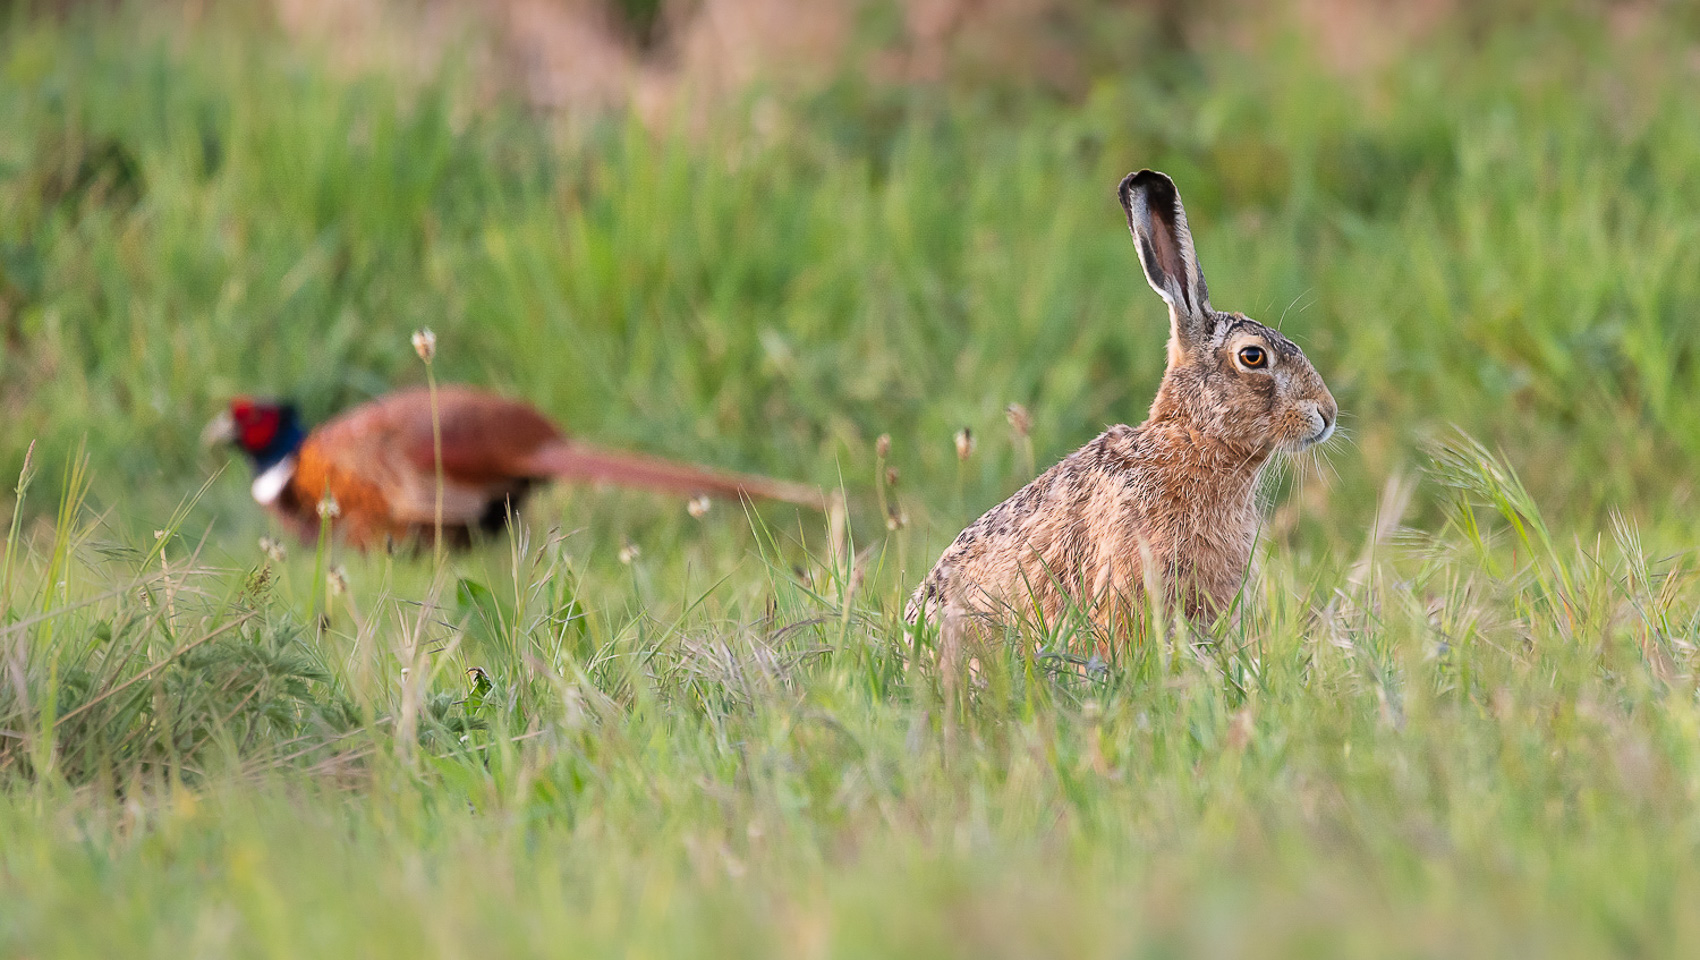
[{"x": 1235, "y": 380}]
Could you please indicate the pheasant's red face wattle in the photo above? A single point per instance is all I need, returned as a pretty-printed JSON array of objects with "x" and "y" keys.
[{"x": 256, "y": 423}]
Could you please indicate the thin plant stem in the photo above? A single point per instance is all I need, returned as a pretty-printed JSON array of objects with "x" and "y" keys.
[
  {"x": 328, "y": 510},
  {"x": 24, "y": 477},
  {"x": 425, "y": 344},
  {"x": 437, "y": 453}
]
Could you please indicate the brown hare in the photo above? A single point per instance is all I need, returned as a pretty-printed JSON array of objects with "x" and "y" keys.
[{"x": 1170, "y": 504}]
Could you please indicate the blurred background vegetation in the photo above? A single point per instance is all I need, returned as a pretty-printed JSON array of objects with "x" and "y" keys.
[
  {"x": 1460, "y": 716},
  {"x": 852, "y": 219}
]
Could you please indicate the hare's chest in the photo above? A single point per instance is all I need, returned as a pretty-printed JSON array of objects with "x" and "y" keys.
[{"x": 1194, "y": 530}]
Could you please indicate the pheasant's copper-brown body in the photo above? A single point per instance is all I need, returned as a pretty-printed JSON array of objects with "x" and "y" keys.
[
  {"x": 378, "y": 464},
  {"x": 1169, "y": 504}
]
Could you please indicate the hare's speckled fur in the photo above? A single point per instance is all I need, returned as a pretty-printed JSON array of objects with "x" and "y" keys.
[{"x": 1171, "y": 502}]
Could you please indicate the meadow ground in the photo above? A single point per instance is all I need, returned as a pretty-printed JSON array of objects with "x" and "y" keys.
[{"x": 1459, "y": 713}]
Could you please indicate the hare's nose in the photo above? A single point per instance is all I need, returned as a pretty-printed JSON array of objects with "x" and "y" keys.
[
  {"x": 1325, "y": 414},
  {"x": 1328, "y": 415}
]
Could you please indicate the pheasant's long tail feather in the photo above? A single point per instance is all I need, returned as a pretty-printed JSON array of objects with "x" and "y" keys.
[{"x": 574, "y": 460}]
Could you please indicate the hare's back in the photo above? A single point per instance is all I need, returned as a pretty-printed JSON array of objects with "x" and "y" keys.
[{"x": 1066, "y": 530}]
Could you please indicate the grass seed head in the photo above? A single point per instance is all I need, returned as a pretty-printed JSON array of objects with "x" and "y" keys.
[
  {"x": 1019, "y": 419},
  {"x": 964, "y": 443},
  {"x": 425, "y": 344},
  {"x": 258, "y": 582}
]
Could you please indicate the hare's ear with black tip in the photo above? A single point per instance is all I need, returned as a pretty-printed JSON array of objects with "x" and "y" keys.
[{"x": 1158, "y": 222}]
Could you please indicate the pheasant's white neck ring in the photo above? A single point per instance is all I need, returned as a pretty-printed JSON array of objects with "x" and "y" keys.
[{"x": 270, "y": 484}]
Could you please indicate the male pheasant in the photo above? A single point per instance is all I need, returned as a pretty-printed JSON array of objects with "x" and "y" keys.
[{"x": 377, "y": 463}]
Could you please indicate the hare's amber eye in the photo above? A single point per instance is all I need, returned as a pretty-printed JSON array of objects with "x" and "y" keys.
[{"x": 1253, "y": 357}]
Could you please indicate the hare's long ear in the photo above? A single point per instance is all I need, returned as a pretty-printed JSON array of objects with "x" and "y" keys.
[{"x": 1158, "y": 222}]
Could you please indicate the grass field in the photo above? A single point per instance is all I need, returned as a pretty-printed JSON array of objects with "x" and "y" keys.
[{"x": 1459, "y": 716}]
